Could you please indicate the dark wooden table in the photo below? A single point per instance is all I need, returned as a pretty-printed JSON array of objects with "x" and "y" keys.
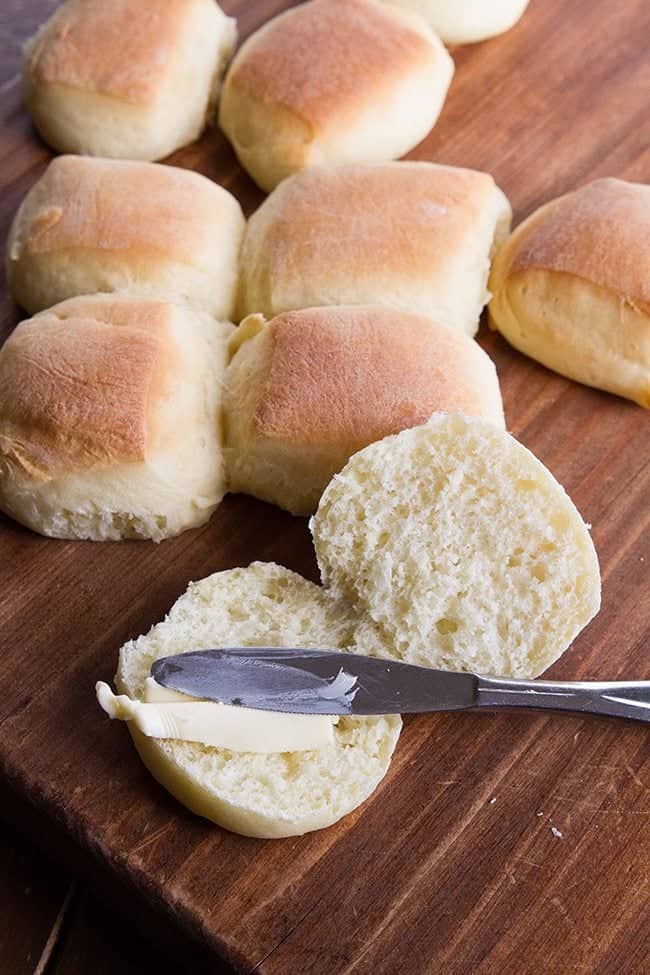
[
  {"x": 497, "y": 844},
  {"x": 53, "y": 924}
]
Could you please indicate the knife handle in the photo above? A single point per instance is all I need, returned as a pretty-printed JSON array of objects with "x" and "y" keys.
[{"x": 620, "y": 699}]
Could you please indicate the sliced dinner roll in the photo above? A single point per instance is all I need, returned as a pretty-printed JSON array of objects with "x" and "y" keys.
[
  {"x": 110, "y": 419},
  {"x": 102, "y": 225},
  {"x": 571, "y": 287},
  {"x": 408, "y": 235},
  {"x": 264, "y": 795},
  {"x": 466, "y": 21},
  {"x": 130, "y": 79},
  {"x": 308, "y": 389},
  {"x": 333, "y": 81},
  {"x": 460, "y": 549}
]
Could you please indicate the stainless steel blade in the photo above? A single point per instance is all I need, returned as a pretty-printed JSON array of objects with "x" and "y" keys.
[{"x": 313, "y": 681}]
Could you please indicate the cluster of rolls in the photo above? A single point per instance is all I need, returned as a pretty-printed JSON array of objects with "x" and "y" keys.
[
  {"x": 327, "y": 81},
  {"x": 129, "y": 404}
]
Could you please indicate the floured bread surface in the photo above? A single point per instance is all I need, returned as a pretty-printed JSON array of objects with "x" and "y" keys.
[
  {"x": 105, "y": 225},
  {"x": 461, "y": 549},
  {"x": 129, "y": 79},
  {"x": 414, "y": 236},
  {"x": 110, "y": 419},
  {"x": 260, "y": 795},
  {"x": 308, "y": 389},
  {"x": 332, "y": 81}
]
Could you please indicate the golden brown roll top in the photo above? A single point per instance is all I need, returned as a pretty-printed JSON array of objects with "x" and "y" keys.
[
  {"x": 91, "y": 45},
  {"x": 82, "y": 388},
  {"x": 600, "y": 232},
  {"x": 413, "y": 236},
  {"x": 308, "y": 389},
  {"x": 130, "y": 79},
  {"x": 91, "y": 225},
  {"x": 571, "y": 287},
  {"x": 110, "y": 419},
  {"x": 332, "y": 81}
]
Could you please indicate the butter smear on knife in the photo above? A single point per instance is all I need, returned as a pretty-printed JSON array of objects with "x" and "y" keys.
[{"x": 168, "y": 714}]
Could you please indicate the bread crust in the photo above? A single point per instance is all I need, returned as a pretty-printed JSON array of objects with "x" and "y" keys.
[
  {"x": 332, "y": 81},
  {"x": 128, "y": 79},
  {"x": 357, "y": 374},
  {"x": 308, "y": 60},
  {"x": 600, "y": 232},
  {"x": 119, "y": 48},
  {"x": 116, "y": 205},
  {"x": 76, "y": 391},
  {"x": 312, "y": 387},
  {"x": 571, "y": 287},
  {"x": 110, "y": 419},
  {"x": 411, "y": 235},
  {"x": 102, "y": 224}
]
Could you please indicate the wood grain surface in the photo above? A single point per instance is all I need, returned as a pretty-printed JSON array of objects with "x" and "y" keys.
[{"x": 497, "y": 843}]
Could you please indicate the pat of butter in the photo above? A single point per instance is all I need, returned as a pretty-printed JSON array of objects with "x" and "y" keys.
[
  {"x": 168, "y": 714},
  {"x": 155, "y": 693}
]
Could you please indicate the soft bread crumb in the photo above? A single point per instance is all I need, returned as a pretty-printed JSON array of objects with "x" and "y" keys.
[
  {"x": 260, "y": 795},
  {"x": 460, "y": 548}
]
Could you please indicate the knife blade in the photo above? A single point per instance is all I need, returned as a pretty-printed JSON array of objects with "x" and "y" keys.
[
  {"x": 329, "y": 682},
  {"x": 313, "y": 681}
]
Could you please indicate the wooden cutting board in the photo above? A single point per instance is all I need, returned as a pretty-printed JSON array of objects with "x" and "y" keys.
[{"x": 497, "y": 843}]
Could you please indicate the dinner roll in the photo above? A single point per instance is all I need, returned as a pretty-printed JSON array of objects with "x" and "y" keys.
[
  {"x": 131, "y": 79},
  {"x": 572, "y": 287},
  {"x": 109, "y": 419},
  {"x": 461, "y": 549},
  {"x": 264, "y": 795},
  {"x": 91, "y": 225},
  {"x": 332, "y": 81},
  {"x": 308, "y": 389},
  {"x": 408, "y": 235},
  {"x": 468, "y": 20}
]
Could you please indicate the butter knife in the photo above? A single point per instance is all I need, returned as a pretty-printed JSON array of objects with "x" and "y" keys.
[{"x": 330, "y": 682}]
